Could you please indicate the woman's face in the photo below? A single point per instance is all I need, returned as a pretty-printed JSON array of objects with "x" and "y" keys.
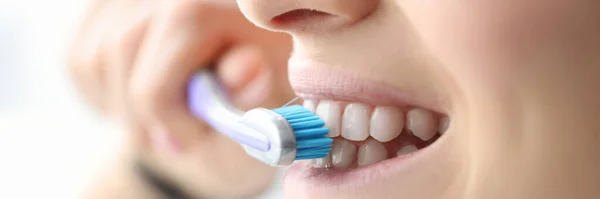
[{"x": 517, "y": 79}]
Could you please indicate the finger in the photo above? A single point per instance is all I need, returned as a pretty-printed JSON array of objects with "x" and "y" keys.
[
  {"x": 124, "y": 46},
  {"x": 239, "y": 65},
  {"x": 256, "y": 92},
  {"x": 177, "y": 44},
  {"x": 244, "y": 70},
  {"x": 87, "y": 74},
  {"x": 88, "y": 57}
]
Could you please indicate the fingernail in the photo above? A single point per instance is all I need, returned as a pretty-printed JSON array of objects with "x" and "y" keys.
[{"x": 161, "y": 139}]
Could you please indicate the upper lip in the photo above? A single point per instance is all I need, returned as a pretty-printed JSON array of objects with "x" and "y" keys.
[{"x": 312, "y": 80}]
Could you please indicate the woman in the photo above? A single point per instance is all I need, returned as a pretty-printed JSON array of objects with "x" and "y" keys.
[{"x": 426, "y": 99}]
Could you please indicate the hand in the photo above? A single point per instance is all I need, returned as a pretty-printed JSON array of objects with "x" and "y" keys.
[{"x": 132, "y": 60}]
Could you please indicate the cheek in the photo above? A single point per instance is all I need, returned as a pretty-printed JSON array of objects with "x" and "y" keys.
[{"x": 494, "y": 44}]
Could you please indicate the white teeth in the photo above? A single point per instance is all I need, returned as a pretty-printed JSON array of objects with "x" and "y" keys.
[
  {"x": 421, "y": 123},
  {"x": 323, "y": 162},
  {"x": 358, "y": 121},
  {"x": 443, "y": 126},
  {"x": 371, "y": 152},
  {"x": 343, "y": 153},
  {"x": 406, "y": 150},
  {"x": 331, "y": 113},
  {"x": 310, "y": 105},
  {"x": 386, "y": 123},
  {"x": 355, "y": 122}
]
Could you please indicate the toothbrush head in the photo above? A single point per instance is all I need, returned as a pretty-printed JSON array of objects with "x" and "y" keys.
[
  {"x": 294, "y": 133},
  {"x": 311, "y": 136}
]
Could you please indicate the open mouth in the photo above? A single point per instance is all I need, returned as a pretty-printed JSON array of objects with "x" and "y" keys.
[
  {"x": 367, "y": 134},
  {"x": 385, "y": 137}
]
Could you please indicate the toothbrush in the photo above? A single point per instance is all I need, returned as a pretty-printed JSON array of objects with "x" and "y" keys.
[{"x": 276, "y": 137}]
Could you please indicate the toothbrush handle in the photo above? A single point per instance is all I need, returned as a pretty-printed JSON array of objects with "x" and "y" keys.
[{"x": 207, "y": 101}]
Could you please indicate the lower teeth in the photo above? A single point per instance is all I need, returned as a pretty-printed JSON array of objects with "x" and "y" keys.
[
  {"x": 406, "y": 150},
  {"x": 349, "y": 154},
  {"x": 371, "y": 152},
  {"x": 343, "y": 153}
]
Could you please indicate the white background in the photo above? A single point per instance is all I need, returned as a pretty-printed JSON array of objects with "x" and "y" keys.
[{"x": 49, "y": 142}]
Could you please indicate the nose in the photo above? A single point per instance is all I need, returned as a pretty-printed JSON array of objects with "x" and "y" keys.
[{"x": 306, "y": 15}]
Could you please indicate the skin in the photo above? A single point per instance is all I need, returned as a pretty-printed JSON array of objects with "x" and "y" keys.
[
  {"x": 131, "y": 61},
  {"x": 517, "y": 78}
]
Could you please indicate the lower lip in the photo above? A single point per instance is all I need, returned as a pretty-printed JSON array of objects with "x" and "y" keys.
[{"x": 317, "y": 180}]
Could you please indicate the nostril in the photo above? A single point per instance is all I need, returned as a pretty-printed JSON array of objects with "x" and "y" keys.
[
  {"x": 307, "y": 17},
  {"x": 298, "y": 17}
]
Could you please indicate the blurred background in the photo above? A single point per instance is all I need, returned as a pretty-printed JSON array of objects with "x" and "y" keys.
[{"x": 50, "y": 143}]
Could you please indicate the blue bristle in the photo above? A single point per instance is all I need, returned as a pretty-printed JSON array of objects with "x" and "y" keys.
[
  {"x": 313, "y": 142},
  {"x": 313, "y": 151},
  {"x": 312, "y": 118},
  {"x": 307, "y": 125},
  {"x": 311, "y": 135},
  {"x": 298, "y": 115},
  {"x": 308, "y": 157}
]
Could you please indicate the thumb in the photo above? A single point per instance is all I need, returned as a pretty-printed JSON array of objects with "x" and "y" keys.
[{"x": 245, "y": 72}]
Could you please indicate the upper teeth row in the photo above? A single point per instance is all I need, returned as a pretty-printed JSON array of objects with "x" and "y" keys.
[{"x": 356, "y": 121}]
